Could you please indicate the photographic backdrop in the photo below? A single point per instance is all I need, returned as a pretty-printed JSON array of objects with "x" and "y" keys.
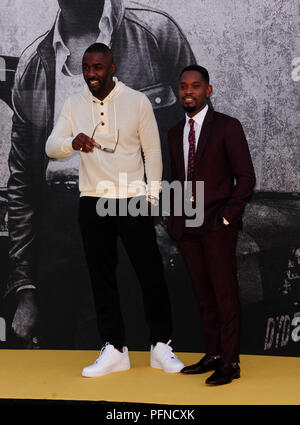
[{"x": 252, "y": 52}]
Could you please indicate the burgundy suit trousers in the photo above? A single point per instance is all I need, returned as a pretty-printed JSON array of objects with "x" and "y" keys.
[{"x": 211, "y": 261}]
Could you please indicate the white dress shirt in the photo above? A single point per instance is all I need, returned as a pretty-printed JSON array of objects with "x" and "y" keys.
[
  {"x": 198, "y": 118},
  {"x": 105, "y": 31}
]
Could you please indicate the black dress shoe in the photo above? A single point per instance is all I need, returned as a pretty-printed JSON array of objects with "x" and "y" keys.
[
  {"x": 224, "y": 374},
  {"x": 206, "y": 364}
]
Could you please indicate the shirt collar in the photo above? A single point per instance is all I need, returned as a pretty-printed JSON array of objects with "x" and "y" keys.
[
  {"x": 119, "y": 86},
  {"x": 105, "y": 27},
  {"x": 199, "y": 117}
]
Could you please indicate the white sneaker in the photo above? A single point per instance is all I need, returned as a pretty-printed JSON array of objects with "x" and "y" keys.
[
  {"x": 162, "y": 357},
  {"x": 110, "y": 360}
]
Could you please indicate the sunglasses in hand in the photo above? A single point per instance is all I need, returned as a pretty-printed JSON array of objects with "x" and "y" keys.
[{"x": 107, "y": 138}]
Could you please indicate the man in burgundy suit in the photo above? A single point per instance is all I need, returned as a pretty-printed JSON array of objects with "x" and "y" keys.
[{"x": 211, "y": 147}]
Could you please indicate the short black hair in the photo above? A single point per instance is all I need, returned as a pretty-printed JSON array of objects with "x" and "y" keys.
[
  {"x": 100, "y": 48},
  {"x": 203, "y": 71}
]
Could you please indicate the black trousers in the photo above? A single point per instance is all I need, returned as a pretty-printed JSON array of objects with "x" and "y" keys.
[
  {"x": 211, "y": 261},
  {"x": 99, "y": 236}
]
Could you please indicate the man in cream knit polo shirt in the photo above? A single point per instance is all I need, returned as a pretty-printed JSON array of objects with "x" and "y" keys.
[{"x": 110, "y": 125}]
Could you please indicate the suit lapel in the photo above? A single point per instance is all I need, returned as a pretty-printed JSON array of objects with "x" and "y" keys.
[{"x": 204, "y": 134}]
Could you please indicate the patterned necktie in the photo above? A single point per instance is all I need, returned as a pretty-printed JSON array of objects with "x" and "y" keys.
[{"x": 191, "y": 157}]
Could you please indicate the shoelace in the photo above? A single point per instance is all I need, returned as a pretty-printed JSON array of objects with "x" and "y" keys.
[
  {"x": 102, "y": 350},
  {"x": 168, "y": 348}
]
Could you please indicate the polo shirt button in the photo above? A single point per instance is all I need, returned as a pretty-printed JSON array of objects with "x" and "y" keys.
[
  {"x": 102, "y": 113},
  {"x": 101, "y": 103},
  {"x": 102, "y": 123},
  {"x": 158, "y": 100}
]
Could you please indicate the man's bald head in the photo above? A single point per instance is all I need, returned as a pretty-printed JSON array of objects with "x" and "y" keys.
[{"x": 100, "y": 48}]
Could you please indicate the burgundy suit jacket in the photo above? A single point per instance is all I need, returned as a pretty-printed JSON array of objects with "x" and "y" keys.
[{"x": 223, "y": 162}]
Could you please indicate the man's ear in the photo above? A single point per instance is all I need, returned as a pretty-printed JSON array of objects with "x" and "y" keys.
[
  {"x": 209, "y": 90},
  {"x": 113, "y": 68}
]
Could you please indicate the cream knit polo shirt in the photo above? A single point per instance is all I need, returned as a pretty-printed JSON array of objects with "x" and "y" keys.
[{"x": 126, "y": 116}]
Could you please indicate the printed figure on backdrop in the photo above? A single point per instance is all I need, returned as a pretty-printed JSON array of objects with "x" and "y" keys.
[
  {"x": 109, "y": 124},
  {"x": 211, "y": 147},
  {"x": 48, "y": 277}
]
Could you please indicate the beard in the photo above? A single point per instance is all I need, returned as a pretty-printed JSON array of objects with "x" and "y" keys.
[
  {"x": 96, "y": 89},
  {"x": 189, "y": 108},
  {"x": 100, "y": 85},
  {"x": 78, "y": 3}
]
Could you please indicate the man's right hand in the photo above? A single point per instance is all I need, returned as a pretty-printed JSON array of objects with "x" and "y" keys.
[
  {"x": 83, "y": 143},
  {"x": 25, "y": 317}
]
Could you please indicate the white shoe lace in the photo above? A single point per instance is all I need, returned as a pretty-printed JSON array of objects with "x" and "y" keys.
[
  {"x": 102, "y": 350},
  {"x": 169, "y": 350}
]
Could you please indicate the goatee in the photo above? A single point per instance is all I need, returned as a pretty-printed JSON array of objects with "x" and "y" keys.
[{"x": 189, "y": 108}]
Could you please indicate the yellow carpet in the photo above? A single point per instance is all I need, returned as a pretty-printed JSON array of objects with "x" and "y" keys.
[{"x": 56, "y": 375}]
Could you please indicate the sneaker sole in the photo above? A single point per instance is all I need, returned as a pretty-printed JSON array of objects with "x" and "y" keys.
[
  {"x": 155, "y": 365},
  {"x": 96, "y": 374}
]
